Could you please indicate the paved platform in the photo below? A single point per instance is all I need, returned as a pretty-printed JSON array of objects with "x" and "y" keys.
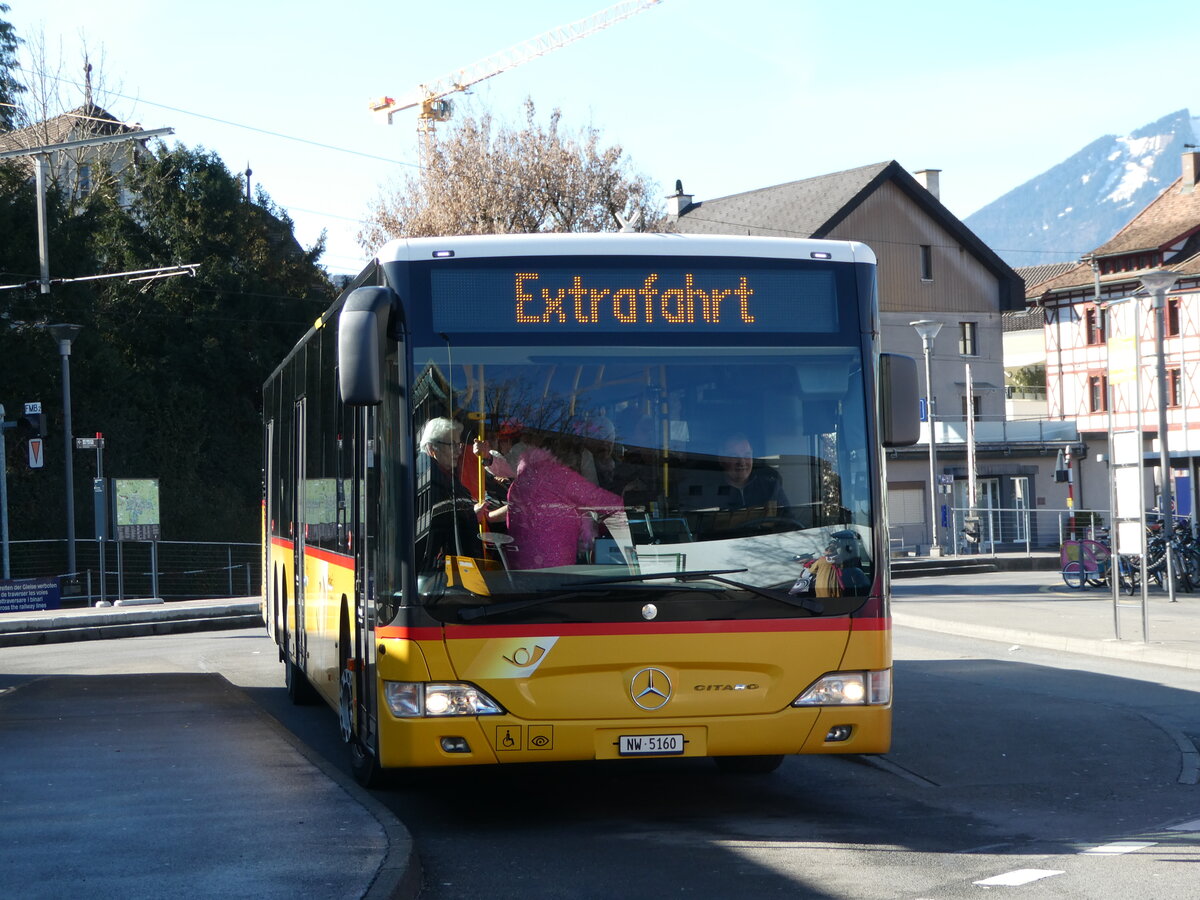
[
  {"x": 180, "y": 785},
  {"x": 82, "y": 623}
]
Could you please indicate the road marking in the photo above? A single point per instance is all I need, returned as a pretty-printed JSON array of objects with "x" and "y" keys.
[
  {"x": 1018, "y": 877},
  {"x": 1193, "y": 825},
  {"x": 1118, "y": 847},
  {"x": 1189, "y": 770}
]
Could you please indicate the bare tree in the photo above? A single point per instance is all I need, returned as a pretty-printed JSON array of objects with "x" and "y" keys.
[
  {"x": 55, "y": 107},
  {"x": 487, "y": 178}
]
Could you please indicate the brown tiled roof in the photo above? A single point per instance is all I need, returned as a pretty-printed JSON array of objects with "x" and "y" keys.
[
  {"x": 1082, "y": 276},
  {"x": 85, "y": 121},
  {"x": 1077, "y": 275},
  {"x": 1170, "y": 217}
]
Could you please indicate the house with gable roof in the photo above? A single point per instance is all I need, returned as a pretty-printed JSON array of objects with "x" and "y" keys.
[
  {"x": 1101, "y": 343},
  {"x": 76, "y": 172},
  {"x": 931, "y": 267}
]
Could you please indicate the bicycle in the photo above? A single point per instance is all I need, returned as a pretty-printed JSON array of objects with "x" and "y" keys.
[
  {"x": 1184, "y": 555},
  {"x": 1089, "y": 563},
  {"x": 1085, "y": 563}
]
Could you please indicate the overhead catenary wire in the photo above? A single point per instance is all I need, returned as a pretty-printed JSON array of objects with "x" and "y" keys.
[{"x": 1075, "y": 254}]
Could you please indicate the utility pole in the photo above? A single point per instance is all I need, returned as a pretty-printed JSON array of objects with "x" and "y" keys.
[
  {"x": 41, "y": 156},
  {"x": 65, "y": 335}
]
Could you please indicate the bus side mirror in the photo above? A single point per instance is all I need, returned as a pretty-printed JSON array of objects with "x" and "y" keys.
[
  {"x": 362, "y": 337},
  {"x": 900, "y": 401}
]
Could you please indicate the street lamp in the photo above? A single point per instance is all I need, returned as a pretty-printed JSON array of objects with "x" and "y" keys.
[
  {"x": 928, "y": 329},
  {"x": 1157, "y": 283},
  {"x": 64, "y": 335}
]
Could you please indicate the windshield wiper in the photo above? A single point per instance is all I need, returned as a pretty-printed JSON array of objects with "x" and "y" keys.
[
  {"x": 813, "y": 606},
  {"x": 479, "y": 612},
  {"x": 467, "y": 613},
  {"x": 488, "y": 609}
]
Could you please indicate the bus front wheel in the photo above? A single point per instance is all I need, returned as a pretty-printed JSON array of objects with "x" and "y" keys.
[{"x": 364, "y": 764}]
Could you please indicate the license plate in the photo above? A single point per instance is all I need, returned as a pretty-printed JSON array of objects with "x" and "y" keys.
[{"x": 649, "y": 744}]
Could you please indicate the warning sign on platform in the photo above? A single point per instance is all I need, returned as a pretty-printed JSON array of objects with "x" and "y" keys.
[{"x": 28, "y": 594}]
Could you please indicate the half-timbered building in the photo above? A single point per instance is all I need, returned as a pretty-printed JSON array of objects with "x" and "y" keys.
[{"x": 1103, "y": 347}]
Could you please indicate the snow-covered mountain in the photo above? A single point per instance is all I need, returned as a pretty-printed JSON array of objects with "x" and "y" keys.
[{"x": 1079, "y": 204}]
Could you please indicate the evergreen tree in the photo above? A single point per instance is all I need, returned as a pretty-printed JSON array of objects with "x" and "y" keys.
[
  {"x": 10, "y": 87},
  {"x": 171, "y": 371}
]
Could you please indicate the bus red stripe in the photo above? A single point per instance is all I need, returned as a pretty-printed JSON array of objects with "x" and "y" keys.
[
  {"x": 345, "y": 560},
  {"x": 596, "y": 629}
]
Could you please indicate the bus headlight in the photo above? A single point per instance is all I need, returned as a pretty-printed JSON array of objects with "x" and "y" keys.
[
  {"x": 849, "y": 689},
  {"x": 414, "y": 699}
]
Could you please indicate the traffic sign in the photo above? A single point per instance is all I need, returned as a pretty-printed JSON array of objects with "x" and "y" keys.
[
  {"x": 96, "y": 443},
  {"x": 37, "y": 455}
]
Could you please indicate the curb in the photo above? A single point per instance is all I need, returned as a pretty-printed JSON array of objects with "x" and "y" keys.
[
  {"x": 1152, "y": 652},
  {"x": 399, "y": 875},
  {"x": 34, "y": 635}
]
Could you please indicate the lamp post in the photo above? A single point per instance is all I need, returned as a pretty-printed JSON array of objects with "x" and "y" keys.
[
  {"x": 928, "y": 329},
  {"x": 64, "y": 335},
  {"x": 1157, "y": 283}
]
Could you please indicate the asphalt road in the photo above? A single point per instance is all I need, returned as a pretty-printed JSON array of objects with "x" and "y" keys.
[{"x": 1057, "y": 775}]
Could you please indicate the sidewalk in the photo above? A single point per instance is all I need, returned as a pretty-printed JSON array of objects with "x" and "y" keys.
[
  {"x": 53, "y": 626},
  {"x": 180, "y": 785},
  {"x": 1036, "y": 608}
]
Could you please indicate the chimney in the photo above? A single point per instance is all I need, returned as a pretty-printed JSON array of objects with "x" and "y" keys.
[
  {"x": 1191, "y": 168},
  {"x": 678, "y": 202},
  {"x": 928, "y": 179}
]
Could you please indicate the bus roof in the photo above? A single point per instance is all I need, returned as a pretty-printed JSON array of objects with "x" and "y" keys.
[{"x": 657, "y": 244}]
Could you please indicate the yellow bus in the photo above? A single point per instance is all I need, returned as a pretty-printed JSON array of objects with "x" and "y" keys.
[{"x": 574, "y": 497}]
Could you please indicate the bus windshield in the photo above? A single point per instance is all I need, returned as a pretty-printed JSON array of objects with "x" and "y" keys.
[{"x": 729, "y": 482}]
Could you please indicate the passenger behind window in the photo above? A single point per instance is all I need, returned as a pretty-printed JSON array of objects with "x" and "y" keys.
[
  {"x": 447, "y": 514},
  {"x": 553, "y": 511},
  {"x": 747, "y": 484}
]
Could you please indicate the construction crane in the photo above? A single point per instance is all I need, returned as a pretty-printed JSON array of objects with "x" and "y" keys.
[{"x": 431, "y": 96}]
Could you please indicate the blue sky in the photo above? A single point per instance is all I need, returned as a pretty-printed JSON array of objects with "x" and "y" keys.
[{"x": 725, "y": 96}]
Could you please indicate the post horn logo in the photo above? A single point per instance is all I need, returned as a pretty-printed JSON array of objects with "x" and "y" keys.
[{"x": 650, "y": 689}]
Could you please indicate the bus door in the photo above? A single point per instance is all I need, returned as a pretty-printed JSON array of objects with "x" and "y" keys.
[
  {"x": 270, "y": 579},
  {"x": 299, "y": 467},
  {"x": 359, "y": 654}
]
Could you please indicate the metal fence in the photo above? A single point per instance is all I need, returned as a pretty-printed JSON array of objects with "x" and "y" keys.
[
  {"x": 172, "y": 570},
  {"x": 1012, "y": 530}
]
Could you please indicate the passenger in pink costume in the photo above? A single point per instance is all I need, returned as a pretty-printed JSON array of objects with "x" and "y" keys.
[{"x": 549, "y": 506}]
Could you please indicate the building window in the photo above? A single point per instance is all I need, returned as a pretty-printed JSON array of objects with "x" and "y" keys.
[
  {"x": 1098, "y": 393},
  {"x": 967, "y": 343},
  {"x": 1174, "y": 387},
  {"x": 1094, "y": 324},
  {"x": 926, "y": 262},
  {"x": 1171, "y": 318},
  {"x": 971, "y": 410}
]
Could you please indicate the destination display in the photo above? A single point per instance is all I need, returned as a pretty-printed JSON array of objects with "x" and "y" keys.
[{"x": 750, "y": 298}]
